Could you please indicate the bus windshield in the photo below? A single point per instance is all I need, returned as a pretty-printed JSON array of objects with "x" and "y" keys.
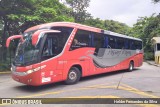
[{"x": 26, "y": 53}]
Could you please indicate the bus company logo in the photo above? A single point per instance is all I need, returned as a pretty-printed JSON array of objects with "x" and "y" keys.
[{"x": 6, "y": 101}]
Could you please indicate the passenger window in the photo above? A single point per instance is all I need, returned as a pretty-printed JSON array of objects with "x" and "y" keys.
[
  {"x": 99, "y": 41},
  {"x": 120, "y": 43},
  {"x": 126, "y": 43},
  {"x": 82, "y": 39},
  {"x": 132, "y": 45},
  {"x": 138, "y": 44},
  {"x": 106, "y": 41},
  {"x": 112, "y": 42}
]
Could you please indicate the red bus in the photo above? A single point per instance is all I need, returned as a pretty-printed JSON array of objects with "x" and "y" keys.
[{"x": 64, "y": 51}]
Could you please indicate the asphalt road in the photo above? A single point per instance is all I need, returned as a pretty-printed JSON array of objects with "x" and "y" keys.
[{"x": 143, "y": 82}]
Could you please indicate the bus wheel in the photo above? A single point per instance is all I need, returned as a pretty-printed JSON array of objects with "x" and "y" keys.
[
  {"x": 131, "y": 66},
  {"x": 73, "y": 76}
]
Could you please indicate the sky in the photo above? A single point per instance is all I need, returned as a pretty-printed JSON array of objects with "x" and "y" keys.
[{"x": 125, "y": 11}]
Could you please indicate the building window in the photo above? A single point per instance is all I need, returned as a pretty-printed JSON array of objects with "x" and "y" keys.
[{"x": 158, "y": 47}]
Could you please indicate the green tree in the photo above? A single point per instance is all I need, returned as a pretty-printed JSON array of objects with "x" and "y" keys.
[
  {"x": 146, "y": 28},
  {"x": 44, "y": 11},
  {"x": 18, "y": 15},
  {"x": 79, "y": 11},
  {"x": 7, "y": 8},
  {"x": 110, "y": 25}
]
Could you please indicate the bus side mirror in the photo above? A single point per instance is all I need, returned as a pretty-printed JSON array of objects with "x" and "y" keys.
[
  {"x": 39, "y": 33},
  {"x": 12, "y": 38}
]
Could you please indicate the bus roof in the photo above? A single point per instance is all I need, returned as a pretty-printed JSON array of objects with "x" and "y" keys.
[
  {"x": 66, "y": 24},
  {"x": 120, "y": 35},
  {"x": 80, "y": 26}
]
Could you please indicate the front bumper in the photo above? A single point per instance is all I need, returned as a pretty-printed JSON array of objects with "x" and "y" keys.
[{"x": 29, "y": 79}]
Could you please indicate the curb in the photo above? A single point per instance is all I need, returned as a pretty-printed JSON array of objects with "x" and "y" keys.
[
  {"x": 7, "y": 72},
  {"x": 153, "y": 64}
]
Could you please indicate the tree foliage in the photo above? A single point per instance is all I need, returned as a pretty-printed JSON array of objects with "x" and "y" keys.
[
  {"x": 110, "y": 25},
  {"x": 8, "y": 8},
  {"x": 18, "y": 15},
  {"x": 79, "y": 11},
  {"x": 146, "y": 28}
]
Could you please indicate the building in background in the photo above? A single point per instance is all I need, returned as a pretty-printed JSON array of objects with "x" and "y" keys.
[{"x": 156, "y": 43}]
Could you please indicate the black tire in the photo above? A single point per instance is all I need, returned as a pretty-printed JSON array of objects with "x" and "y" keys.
[
  {"x": 131, "y": 66},
  {"x": 74, "y": 76}
]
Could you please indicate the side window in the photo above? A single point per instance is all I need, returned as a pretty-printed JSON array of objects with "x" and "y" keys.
[
  {"x": 53, "y": 45},
  {"x": 81, "y": 39},
  {"x": 106, "y": 41},
  {"x": 138, "y": 44},
  {"x": 132, "y": 45},
  {"x": 99, "y": 41},
  {"x": 112, "y": 42},
  {"x": 120, "y": 43},
  {"x": 55, "y": 42},
  {"x": 126, "y": 44},
  {"x": 49, "y": 47}
]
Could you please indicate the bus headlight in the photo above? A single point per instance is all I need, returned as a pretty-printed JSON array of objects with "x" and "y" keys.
[
  {"x": 29, "y": 71},
  {"x": 33, "y": 70}
]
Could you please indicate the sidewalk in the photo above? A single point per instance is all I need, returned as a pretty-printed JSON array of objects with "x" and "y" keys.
[{"x": 152, "y": 63}]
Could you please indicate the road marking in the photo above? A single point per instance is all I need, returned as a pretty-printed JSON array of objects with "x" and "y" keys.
[
  {"x": 8, "y": 72},
  {"x": 122, "y": 87},
  {"x": 109, "y": 96},
  {"x": 51, "y": 93},
  {"x": 37, "y": 95},
  {"x": 96, "y": 87},
  {"x": 100, "y": 84},
  {"x": 126, "y": 88},
  {"x": 134, "y": 90}
]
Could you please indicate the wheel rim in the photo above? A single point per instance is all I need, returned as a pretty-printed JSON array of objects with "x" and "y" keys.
[
  {"x": 131, "y": 67},
  {"x": 72, "y": 75}
]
